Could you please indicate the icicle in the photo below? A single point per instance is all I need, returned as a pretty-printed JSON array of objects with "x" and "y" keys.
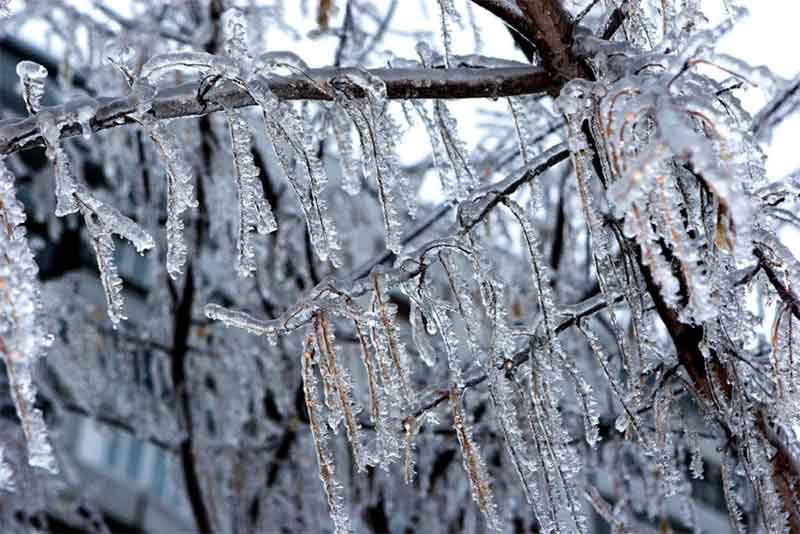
[
  {"x": 660, "y": 269},
  {"x": 351, "y": 176},
  {"x": 447, "y": 11},
  {"x": 556, "y": 457},
  {"x": 21, "y": 339},
  {"x": 541, "y": 278},
  {"x": 115, "y": 222},
  {"x": 628, "y": 418},
  {"x": 284, "y": 127},
  {"x": 444, "y": 168},
  {"x": 420, "y": 335},
  {"x": 180, "y": 192},
  {"x": 456, "y": 150},
  {"x": 669, "y": 475},
  {"x": 333, "y": 489},
  {"x": 65, "y": 180},
  {"x": 103, "y": 245},
  {"x": 238, "y": 319},
  {"x": 448, "y": 151},
  {"x": 465, "y": 305},
  {"x": 255, "y": 213},
  {"x": 363, "y": 97},
  {"x": 32, "y": 77},
  {"x": 518, "y": 450}
]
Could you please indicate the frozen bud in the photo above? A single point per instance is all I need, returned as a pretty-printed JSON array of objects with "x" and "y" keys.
[
  {"x": 120, "y": 53},
  {"x": 31, "y": 77},
  {"x": 280, "y": 62}
]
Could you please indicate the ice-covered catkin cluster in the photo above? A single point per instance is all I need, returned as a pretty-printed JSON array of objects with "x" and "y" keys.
[
  {"x": 332, "y": 486},
  {"x": 22, "y": 340},
  {"x": 667, "y": 135}
]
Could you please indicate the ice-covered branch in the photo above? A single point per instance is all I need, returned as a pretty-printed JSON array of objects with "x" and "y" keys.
[
  {"x": 334, "y": 291},
  {"x": 551, "y": 29},
  {"x": 574, "y": 314},
  {"x": 188, "y": 100}
]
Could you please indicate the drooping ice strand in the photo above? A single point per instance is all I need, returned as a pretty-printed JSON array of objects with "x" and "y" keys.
[{"x": 22, "y": 340}]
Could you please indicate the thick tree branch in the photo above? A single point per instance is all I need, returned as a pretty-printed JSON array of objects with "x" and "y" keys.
[
  {"x": 183, "y": 101},
  {"x": 787, "y": 295},
  {"x": 509, "y": 13},
  {"x": 687, "y": 339},
  {"x": 552, "y": 34}
]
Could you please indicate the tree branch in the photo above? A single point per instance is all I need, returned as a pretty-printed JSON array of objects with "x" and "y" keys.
[
  {"x": 182, "y": 100},
  {"x": 552, "y": 34},
  {"x": 510, "y": 14},
  {"x": 584, "y": 309},
  {"x": 787, "y": 295}
]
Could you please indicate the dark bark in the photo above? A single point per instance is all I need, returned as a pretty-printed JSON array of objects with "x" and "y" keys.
[{"x": 180, "y": 337}]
